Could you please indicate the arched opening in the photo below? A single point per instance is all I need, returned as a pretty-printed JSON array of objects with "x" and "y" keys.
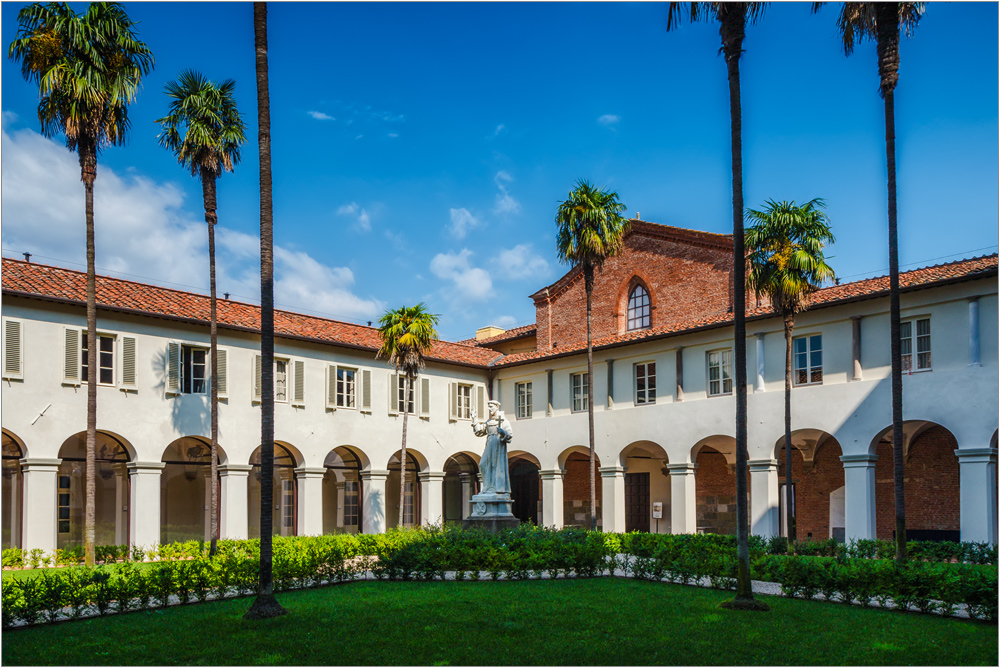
[
  {"x": 12, "y": 500},
  {"x": 647, "y": 487},
  {"x": 342, "y": 507},
  {"x": 185, "y": 491},
  {"x": 461, "y": 481},
  {"x": 715, "y": 484},
  {"x": 284, "y": 493},
  {"x": 817, "y": 486},
  {"x": 931, "y": 492},
  {"x": 411, "y": 495},
  {"x": 525, "y": 487},
  {"x": 111, "y": 490},
  {"x": 576, "y": 487}
]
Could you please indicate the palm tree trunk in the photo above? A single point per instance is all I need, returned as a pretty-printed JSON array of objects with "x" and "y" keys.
[
  {"x": 588, "y": 275},
  {"x": 402, "y": 452},
  {"x": 88, "y": 173},
  {"x": 887, "y": 26},
  {"x": 789, "y": 496},
  {"x": 265, "y": 605},
  {"x": 208, "y": 192}
]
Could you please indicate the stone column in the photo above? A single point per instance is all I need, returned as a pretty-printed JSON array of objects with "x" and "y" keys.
[
  {"x": 978, "y": 494},
  {"x": 310, "y": 501},
  {"x": 468, "y": 488},
  {"x": 974, "y": 333},
  {"x": 855, "y": 348},
  {"x": 612, "y": 499},
  {"x": 552, "y": 497},
  {"x": 431, "y": 497},
  {"x": 683, "y": 501},
  {"x": 40, "y": 503},
  {"x": 14, "y": 503},
  {"x": 759, "y": 385},
  {"x": 341, "y": 486},
  {"x": 144, "y": 503},
  {"x": 373, "y": 493},
  {"x": 764, "y": 497},
  {"x": 859, "y": 496},
  {"x": 233, "y": 512}
]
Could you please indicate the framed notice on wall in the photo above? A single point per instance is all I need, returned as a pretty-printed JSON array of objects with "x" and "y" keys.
[{"x": 657, "y": 510}]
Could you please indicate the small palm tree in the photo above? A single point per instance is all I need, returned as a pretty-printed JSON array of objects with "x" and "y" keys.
[
  {"x": 733, "y": 18},
  {"x": 881, "y": 21},
  {"x": 88, "y": 68},
  {"x": 785, "y": 255},
  {"x": 407, "y": 334},
  {"x": 265, "y": 605},
  {"x": 591, "y": 229},
  {"x": 204, "y": 131}
]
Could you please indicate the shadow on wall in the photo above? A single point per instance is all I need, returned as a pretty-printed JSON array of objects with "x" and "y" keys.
[{"x": 190, "y": 414}]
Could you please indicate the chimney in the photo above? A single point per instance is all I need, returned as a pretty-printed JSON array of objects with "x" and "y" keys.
[
  {"x": 225, "y": 295},
  {"x": 488, "y": 331},
  {"x": 27, "y": 257}
]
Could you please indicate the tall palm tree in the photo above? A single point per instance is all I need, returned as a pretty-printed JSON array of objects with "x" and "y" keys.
[
  {"x": 204, "y": 130},
  {"x": 591, "y": 229},
  {"x": 881, "y": 21},
  {"x": 733, "y": 17},
  {"x": 265, "y": 605},
  {"x": 407, "y": 334},
  {"x": 785, "y": 253},
  {"x": 88, "y": 68}
]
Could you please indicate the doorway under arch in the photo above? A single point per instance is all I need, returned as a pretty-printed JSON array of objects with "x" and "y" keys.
[
  {"x": 284, "y": 493},
  {"x": 186, "y": 492},
  {"x": 111, "y": 490},
  {"x": 12, "y": 500}
]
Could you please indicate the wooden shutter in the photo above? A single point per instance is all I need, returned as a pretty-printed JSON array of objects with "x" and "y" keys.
[
  {"x": 128, "y": 363},
  {"x": 12, "y": 362},
  {"x": 223, "y": 371},
  {"x": 173, "y": 385},
  {"x": 452, "y": 401},
  {"x": 71, "y": 359},
  {"x": 393, "y": 394},
  {"x": 331, "y": 386},
  {"x": 425, "y": 397},
  {"x": 299, "y": 383},
  {"x": 366, "y": 390},
  {"x": 258, "y": 378},
  {"x": 481, "y": 400}
]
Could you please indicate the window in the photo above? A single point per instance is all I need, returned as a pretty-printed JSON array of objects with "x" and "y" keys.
[
  {"x": 579, "y": 391},
  {"x": 638, "y": 309},
  {"x": 645, "y": 383},
  {"x": 400, "y": 391},
  {"x": 464, "y": 402},
  {"x": 281, "y": 381},
  {"x": 351, "y": 503},
  {"x": 923, "y": 360},
  {"x": 408, "y": 505},
  {"x": 105, "y": 360},
  {"x": 64, "y": 504},
  {"x": 346, "y": 384},
  {"x": 523, "y": 392},
  {"x": 720, "y": 372},
  {"x": 194, "y": 370},
  {"x": 808, "y": 352},
  {"x": 288, "y": 504}
]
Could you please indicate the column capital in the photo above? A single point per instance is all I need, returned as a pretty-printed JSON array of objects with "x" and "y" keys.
[
  {"x": 859, "y": 461},
  {"x": 375, "y": 475},
  {"x": 430, "y": 476},
  {"x": 856, "y": 318},
  {"x": 38, "y": 464},
  {"x": 235, "y": 469},
  {"x": 551, "y": 474},
  {"x": 976, "y": 455},
  {"x": 611, "y": 471},
  {"x": 148, "y": 468},
  {"x": 762, "y": 464},
  {"x": 973, "y": 298},
  {"x": 760, "y": 336},
  {"x": 684, "y": 468},
  {"x": 314, "y": 473}
]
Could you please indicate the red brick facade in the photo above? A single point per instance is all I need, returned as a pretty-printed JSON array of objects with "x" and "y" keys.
[
  {"x": 930, "y": 484},
  {"x": 686, "y": 274},
  {"x": 813, "y": 487},
  {"x": 715, "y": 492},
  {"x": 576, "y": 491}
]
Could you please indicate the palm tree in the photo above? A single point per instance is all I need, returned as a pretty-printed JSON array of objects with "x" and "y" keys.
[
  {"x": 265, "y": 605},
  {"x": 881, "y": 21},
  {"x": 590, "y": 230},
  {"x": 406, "y": 333},
  {"x": 733, "y": 17},
  {"x": 88, "y": 68},
  {"x": 785, "y": 244},
  {"x": 204, "y": 130}
]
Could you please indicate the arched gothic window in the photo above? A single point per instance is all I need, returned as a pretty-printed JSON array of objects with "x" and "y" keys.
[{"x": 638, "y": 309}]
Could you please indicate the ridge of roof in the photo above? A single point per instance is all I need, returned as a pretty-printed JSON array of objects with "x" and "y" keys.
[
  {"x": 868, "y": 288},
  {"x": 508, "y": 335},
  {"x": 69, "y": 285}
]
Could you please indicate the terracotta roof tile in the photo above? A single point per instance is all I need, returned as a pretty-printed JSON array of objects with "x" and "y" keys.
[
  {"x": 509, "y": 335},
  {"x": 49, "y": 282}
]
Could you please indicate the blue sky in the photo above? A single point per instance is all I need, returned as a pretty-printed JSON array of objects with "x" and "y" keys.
[{"x": 420, "y": 150}]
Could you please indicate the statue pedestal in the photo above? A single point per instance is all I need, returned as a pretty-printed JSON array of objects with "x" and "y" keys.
[{"x": 491, "y": 512}]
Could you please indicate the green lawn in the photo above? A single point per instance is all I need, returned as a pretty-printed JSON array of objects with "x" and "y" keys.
[{"x": 601, "y": 621}]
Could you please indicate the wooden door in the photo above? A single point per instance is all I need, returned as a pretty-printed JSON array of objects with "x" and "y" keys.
[{"x": 637, "y": 508}]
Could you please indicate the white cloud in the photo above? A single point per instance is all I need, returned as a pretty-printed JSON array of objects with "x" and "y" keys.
[
  {"x": 609, "y": 119},
  {"x": 320, "y": 116},
  {"x": 500, "y": 128},
  {"x": 521, "y": 263},
  {"x": 504, "y": 321},
  {"x": 393, "y": 135},
  {"x": 347, "y": 209},
  {"x": 462, "y": 221},
  {"x": 363, "y": 220},
  {"x": 470, "y": 283},
  {"x": 505, "y": 203},
  {"x": 145, "y": 231}
]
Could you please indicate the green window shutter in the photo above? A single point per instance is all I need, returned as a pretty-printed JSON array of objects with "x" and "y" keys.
[
  {"x": 452, "y": 401},
  {"x": 481, "y": 400},
  {"x": 223, "y": 370},
  {"x": 425, "y": 397},
  {"x": 331, "y": 386},
  {"x": 366, "y": 390},
  {"x": 393, "y": 394},
  {"x": 12, "y": 362},
  {"x": 71, "y": 359},
  {"x": 299, "y": 386},
  {"x": 173, "y": 367},
  {"x": 129, "y": 364},
  {"x": 258, "y": 378}
]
